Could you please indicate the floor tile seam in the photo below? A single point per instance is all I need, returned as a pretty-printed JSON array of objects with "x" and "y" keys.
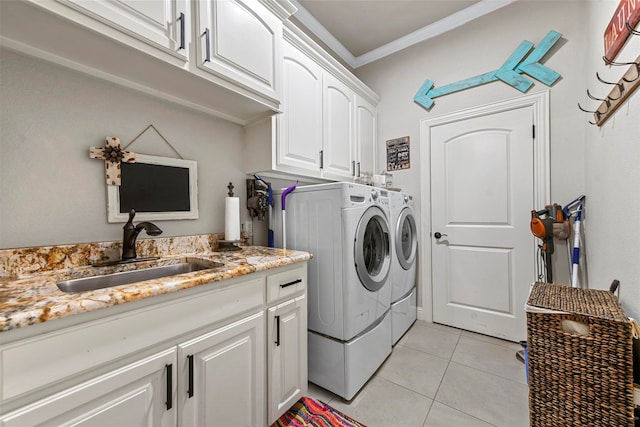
[
  {"x": 487, "y": 372},
  {"x": 510, "y": 347},
  {"x": 405, "y": 387},
  {"x": 459, "y": 410},
  {"x": 426, "y": 416},
  {"x": 430, "y": 354},
  {"x": 446, "y": 369},
  {"x": 459, "y": 331}
]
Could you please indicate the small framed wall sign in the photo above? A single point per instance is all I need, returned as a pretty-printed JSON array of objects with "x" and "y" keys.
[{"x": 398, "y": 154}]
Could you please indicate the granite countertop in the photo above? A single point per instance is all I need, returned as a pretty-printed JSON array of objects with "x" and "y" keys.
[{"x": 34, "y": 298}]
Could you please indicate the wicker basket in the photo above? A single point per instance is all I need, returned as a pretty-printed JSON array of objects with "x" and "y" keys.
[{"x": 578, "y": 380}]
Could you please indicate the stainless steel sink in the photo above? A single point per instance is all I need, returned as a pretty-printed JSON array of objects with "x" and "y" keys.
[{"x": 125, "y": 277}]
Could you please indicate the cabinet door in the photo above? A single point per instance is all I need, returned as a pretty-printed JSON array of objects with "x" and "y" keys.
[
  {"x": 222, "y": 376},
  {"x": 287, "y": 356},
  {"x": 365, "y": 146},
  {"x": 241, "y": 40},
  {"x": 139, "y": 394},
  {"x": 163, "y": 24},
  {"x": 338, "y": 162},
  {"x": 299, "y": 135}
]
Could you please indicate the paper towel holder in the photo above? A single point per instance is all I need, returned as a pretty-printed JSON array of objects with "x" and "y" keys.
[{"x": 225, "y": 245}]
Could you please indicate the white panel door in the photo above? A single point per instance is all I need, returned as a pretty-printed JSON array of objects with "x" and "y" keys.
[
  {"x": 300, "y": 124},
  {"x": 481, "y": 199},
  {"x": 222, "y": 376},
  {"x": 338, "y": 129}
]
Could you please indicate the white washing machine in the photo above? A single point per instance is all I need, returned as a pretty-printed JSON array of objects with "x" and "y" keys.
[
  {"x": 346, "y": 228},
  {"x": 403, "y": 265}
]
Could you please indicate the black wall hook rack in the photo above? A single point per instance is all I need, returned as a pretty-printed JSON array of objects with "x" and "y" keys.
[{"x": 622, "y": 90}]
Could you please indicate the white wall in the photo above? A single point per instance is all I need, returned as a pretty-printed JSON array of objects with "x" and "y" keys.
[
  {"x": 612, "y": 164},
  {"x": 584, "y": 160},
  {"x": 51, "y": 192}
]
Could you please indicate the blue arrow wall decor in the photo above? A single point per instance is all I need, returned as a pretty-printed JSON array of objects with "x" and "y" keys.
[{"x": 520, "y": 62}]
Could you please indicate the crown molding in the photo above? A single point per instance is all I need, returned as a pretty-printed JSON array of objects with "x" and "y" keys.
[{"x": 439, "y": 27}]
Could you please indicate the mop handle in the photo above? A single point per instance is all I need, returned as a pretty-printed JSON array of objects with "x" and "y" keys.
[
  {"x": 283, "y": 199},
  {"x": 576, "y": 248}
]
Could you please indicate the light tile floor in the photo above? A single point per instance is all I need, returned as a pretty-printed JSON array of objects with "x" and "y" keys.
[{"x": 439, "y": 376}]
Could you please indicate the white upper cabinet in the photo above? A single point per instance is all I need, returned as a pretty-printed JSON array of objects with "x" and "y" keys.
[
  {"x": 327, "y": 128},
  {"x": 163, "y": 24},
  {"x": 364, "y": 147},
  {"x": 241, "y": 40},
  {"x": 299, "y": 128},
  {"x": 221, "y": 57},
  {"x": 338, "y": 126}
]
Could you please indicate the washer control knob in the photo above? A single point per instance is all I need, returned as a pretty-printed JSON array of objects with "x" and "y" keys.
[
  {"x": 374, "y": 194},
  {"x": 406, "y": 198}
]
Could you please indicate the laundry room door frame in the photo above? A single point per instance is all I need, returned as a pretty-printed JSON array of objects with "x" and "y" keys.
[{"x": 539, "y": 102}]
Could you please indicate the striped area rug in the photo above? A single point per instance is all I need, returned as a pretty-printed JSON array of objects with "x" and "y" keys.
[{"x": 308, "y": 412}]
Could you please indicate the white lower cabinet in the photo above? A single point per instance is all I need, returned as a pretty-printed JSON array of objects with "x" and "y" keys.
[
  {"x": 138, "y": 394},
  {"x": 222, "y": 379},
  {"x": 199, "y": 359},
  {"x": 287, "y": 355}
]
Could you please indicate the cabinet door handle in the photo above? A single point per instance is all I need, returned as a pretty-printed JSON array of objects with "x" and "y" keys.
[
  {"x": 277, "y": 318},
  {"x": 284, "y": 285},
  {"x": 321, "y": 159},
  {"x": 182, "y": 24},
  {"x": 190, "y": 389},
  {"x": 207, "y": 43},
  {"x": 358, "y": 166},
  {"x": 169, "y": 401},
  {"x": 353, "y": 168}
]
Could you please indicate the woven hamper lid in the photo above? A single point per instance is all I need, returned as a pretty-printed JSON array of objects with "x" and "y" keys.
[{"x": 589, "y": 302}]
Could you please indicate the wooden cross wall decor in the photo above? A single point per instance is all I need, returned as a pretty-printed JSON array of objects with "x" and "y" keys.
[{"x": 112, "y": 155}]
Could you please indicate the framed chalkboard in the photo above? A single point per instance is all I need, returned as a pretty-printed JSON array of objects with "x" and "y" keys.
[
  {"x": 158, "y": 188},
  {"x": 398, "y": 154}
]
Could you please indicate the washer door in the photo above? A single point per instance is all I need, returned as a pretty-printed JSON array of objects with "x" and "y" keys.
[
  {"x": 371, "y": 249},
  {"x": 406, "y": 243}
]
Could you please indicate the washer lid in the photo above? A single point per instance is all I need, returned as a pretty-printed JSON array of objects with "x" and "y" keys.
[
  {"x": 406, "y": 243},
  {"x": 371, "y": 249}
]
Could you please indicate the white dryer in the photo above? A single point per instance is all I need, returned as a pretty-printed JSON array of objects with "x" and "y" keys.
[
  {"x": 346, "y": 228},
  {"x": 403, "y": 264}
]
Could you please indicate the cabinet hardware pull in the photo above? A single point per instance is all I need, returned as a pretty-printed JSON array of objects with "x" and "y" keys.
[
  {"x": 284, "y": 285},
  {"x": 277, "y": 318},
  {"x": 353, "y": 168},
  {"x": 207, "y": 43},
  {"x": 182, "y": 24},
  {"x": 169, "y": 402},
  {"x": 321, "y": 159},
  {"x": 358, "y": 166},
  {"x": 190, "y": 389}
]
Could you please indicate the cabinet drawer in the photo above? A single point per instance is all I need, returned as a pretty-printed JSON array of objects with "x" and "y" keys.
[{"x": 286, "y": 283}]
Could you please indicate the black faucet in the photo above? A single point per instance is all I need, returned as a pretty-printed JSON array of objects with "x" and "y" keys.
[{"x": 131, "y": 234}]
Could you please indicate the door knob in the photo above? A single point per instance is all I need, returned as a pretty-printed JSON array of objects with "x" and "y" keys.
[{"x": 438, "y": 235}]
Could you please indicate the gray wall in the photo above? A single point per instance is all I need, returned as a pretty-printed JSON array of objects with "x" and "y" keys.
[
  {"x": 583, "y": 160},
  {"x": 51, "y": 192}
]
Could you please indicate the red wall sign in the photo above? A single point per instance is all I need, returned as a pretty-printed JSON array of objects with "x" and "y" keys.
[{"x": 617, "y": 32}]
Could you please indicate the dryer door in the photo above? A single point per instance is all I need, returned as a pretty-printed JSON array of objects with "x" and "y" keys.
[
  {"x": 406, "y": 243},
  {"x": 371, "y": 249}
]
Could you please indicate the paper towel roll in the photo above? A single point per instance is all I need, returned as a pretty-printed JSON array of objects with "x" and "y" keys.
[{"x": 232, "y": 218}]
